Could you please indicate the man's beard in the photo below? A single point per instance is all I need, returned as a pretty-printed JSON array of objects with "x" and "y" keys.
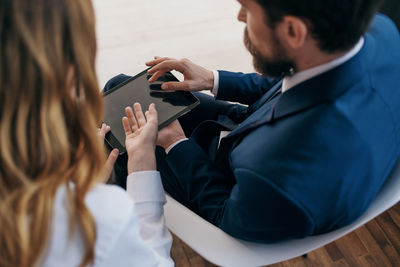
[{"x": 277, "y": 66}]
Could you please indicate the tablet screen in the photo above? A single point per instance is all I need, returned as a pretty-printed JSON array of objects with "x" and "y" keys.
[{"x": 169, "y": 104}]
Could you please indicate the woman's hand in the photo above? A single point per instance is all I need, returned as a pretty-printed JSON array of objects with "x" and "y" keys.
[
  {"x": 141, "y": 136},
  {"x": 108, "y": 168}
]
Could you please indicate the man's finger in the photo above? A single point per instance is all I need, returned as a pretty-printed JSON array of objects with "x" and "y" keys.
[
  {"x": 110, "y": 164},
  {"x": 167, "y": 65},
  {"x": 157, "y": 60},
  {"x": 173, "y": 86},
  {"x": 154, "y": 77}
]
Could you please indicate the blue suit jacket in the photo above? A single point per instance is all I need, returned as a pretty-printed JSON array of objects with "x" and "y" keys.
[{"x": 308, "y": 161}]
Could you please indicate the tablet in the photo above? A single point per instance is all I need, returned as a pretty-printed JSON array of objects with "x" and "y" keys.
[{"x": 169, "y": 104}]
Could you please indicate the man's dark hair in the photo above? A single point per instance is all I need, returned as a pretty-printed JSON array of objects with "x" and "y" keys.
[{"x": 336, "y": 24}]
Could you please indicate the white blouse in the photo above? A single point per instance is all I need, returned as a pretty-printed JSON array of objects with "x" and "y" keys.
[{"x": 130, "y": 225}]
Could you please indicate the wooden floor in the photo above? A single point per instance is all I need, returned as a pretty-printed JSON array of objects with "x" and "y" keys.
[{"x": 375, "y": 244}]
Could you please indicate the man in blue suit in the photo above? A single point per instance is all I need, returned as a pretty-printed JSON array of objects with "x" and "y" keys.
[{"x": 319, "y": 136}]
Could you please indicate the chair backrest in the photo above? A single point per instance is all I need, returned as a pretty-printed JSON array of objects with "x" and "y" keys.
[{"x": 221, "y": 249}]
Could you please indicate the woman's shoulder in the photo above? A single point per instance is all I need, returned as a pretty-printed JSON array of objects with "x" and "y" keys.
[
  {"x": 112, "y": 210},
  {"x": 106, "y": 203}
]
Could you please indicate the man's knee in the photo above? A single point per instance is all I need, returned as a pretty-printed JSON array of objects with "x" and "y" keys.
[{"x": 115, "y": 81}]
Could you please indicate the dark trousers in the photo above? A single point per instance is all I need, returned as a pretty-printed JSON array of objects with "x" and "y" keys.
[{"x": 208, "y": 109}]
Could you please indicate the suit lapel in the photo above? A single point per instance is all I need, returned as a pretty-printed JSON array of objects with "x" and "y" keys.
[
  {"x": 323, "y": 88},
  {"x": 262, "y": 115},
  {"x": 265, "y": 98}
]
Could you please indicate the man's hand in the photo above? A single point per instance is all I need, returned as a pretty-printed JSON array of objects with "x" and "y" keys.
[
  {"x": 170, "y": 134},
  {"x": 196, "y": 78},
  {"x": 141, "y": 137},
  {"x": 113, "y": 154}
]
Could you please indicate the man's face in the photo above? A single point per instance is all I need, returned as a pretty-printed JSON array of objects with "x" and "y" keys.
[{"x": 269, "y": 56}]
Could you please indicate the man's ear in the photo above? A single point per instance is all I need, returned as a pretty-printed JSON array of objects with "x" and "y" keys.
[{"x": 294, "y": 30}]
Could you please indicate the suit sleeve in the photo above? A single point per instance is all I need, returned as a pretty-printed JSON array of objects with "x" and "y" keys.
[
  {"x": 243, "y": 205},
  {"x": 242, "y": 88}
]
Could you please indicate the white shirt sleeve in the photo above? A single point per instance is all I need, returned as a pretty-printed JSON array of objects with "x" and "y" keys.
[
  {"x": 148, "y": 194},
  {"x": 214, "y": 91},
  {"x": 130, "y": 248},
  {"x": 144, "y": 240}
]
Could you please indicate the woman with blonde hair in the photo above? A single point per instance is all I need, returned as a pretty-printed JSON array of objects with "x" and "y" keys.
[{"x": 54, "y": 209}]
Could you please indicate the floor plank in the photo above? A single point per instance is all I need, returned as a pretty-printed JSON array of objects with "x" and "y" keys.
[
  {"x": 390, "y": 229},
  {"x": 334, "y": 252},
  {"x": 178, "y": 253},
  {"x": 380, "y": 238},
  {"x": 374, "y": 250}
]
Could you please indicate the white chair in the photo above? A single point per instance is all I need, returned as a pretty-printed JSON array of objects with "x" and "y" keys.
[{"x": 221, "y": 249}]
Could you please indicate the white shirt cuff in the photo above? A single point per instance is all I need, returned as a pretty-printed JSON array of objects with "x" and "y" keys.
[
  {"x": 145, "y": 186},
  {"x": 216, "y": 83},
  {"x": 174, "y": 144}
]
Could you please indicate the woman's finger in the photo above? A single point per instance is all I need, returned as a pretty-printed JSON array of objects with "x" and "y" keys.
[
  {"x": 131, "y": 118},
  {"x": 127, "y": 127},
  {"x": 109, "y": 166},
  {"x": 103, "y": 130},
  {"x": 151, "y": 114},
  {"x": 139, "y": 115}
]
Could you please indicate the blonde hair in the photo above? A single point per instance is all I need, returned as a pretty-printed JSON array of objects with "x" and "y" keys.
[{"x": 47, "y": 123}]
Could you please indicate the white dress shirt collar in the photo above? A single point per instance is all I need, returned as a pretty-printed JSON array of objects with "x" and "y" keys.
[{"x": 297, "y": 78}]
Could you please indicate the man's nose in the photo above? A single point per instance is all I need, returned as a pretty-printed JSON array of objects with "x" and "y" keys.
[{"x": 242, "y": 16}]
